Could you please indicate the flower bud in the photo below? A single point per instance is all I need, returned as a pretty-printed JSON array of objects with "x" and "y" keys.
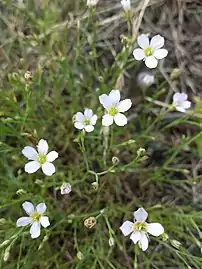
[
  {"x": 145, "y": 79},
  {"x": 79, "y": 255},
  {"x": 90, "y": 222},
  {"x": 6, "y": 242},
  {"x": 175, "y": 74},
  {"x": 111, "y": 242},
  {"x": 20, "y": 192},
  {"x": 115, "y": 161},
  {"x": 140, "y": 152},
  {"x": 66, "y": 188},
  {"x": 175, "y": 243},
  {"x": 6, "y": 254},
  {"x": 28, "y": 75},
  {"x": 95, "y": 185}
]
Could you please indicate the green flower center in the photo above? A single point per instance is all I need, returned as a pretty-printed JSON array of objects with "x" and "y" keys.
[
  {"x": 140, "y": 227},
  {"x": 35, "y": 216},
  {"x": 113, "y": 111},
  {"x": 42, "y": 158},
  {"x": 148, "y": 51},
  {"x": 86, "y": 122}
]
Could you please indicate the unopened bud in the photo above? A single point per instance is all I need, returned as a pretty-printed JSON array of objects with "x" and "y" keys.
[
  {"x": 175, "y": 74},
  {"x": 28, "y": 75},
  {"x": 39, "y": 182},
  {"x": 95, "y": 185},
  {"x": 79, "y": 255},
  {"x": 164, "y": 237},
  {"x": 20, "y": 192},
  {"x": 6, "y": 242},
  {"x": 145, "y": 79},
  {"x": 2, "y": 221},
  {"x": 175, "y": 243},
  {"x": 111, "y": 242},
  {"x": 90, "y": 222},
  {"x": 6, "y": 254},
  {"x": 140, "y": 152},
  {"x": 115, "y": 160},
  {"x": 66, "y": 188}
]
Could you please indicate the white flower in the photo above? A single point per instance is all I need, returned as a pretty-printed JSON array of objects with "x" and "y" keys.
[
  {"x": 39, "y": 159},
  {"x": 114, "y": 108},
  {"x": 151, "y": 51},
  {"x": 92, "y": 3},
  {"x": 180, "y": 102},
  {"x": 35, "y": 219},
  {"x": 126, "y": 5},
  {"x": 140, "y": 228},
  {"x": 85, "y": 121},
  {"x": 145, "y": 79},
  {"x": 66, "y": 188}
]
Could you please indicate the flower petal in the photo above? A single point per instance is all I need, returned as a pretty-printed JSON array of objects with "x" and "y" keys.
[
  {"x": 155, "y": 229},
  {"x": 186, "y": 104},
  {"x": 48, "y": 168},
  {"x": 140, "y": 215},
  {"x": 79, "y": 125},
  {"x": 127, "y": 227},
  {"x": 79, "y": 116},
  {"x": 44, "y": 221},
  {"x": 180, "y": 97},
  {"x": 93, "y": 119},
  {"x": 32, "y": 167},
  {"x": 30, "y": 153},
  {"x": 24, "y": 221},
  {"x": 160, "y": 53},
  {"x": 180, "y": 109},
  {"x": 124, "y": 105},
  {"x": 42, "y": 146},
  {"x": 88, "y": 113},
  {"x": 157, "y": 42},
  {"x": 143, "y": 41},
  {"x": 105, "y": 101},
  {"x": 151, "y": 62},
  {"x": 28, "y": 207},
  {"x": 41, "y": 208},
  {"x": 35, "y": 230},
  {"x": 89, "y": 128},
  {"x": 114, "y": 96},
  {"x": 107, "y": 120},
  {"x": 135, "y": 237},
  {"x": 51, "y": 156},
  {"x": 120, "y": 119},
  {"x": 139, "y": 54},
  {"x": 144, "y": 242}
]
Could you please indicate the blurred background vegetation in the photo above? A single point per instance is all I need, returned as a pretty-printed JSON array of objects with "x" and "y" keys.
[{"x": 74, "y": 57}]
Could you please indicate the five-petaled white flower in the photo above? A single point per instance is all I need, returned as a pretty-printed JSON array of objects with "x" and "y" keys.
[
  {"x": 114, "y": 108},
  {"x": 35, "y": 219},
  {"x": 92, "y": 3},
  {"x": 180, "y": 102},
  {"x": 85, "y": 121},
  {"x": 39, "y": 159},
  {"x": 126, "y": 5},
  {"x": 151, "y": 51},
  {"x": 140, "y": 228}
]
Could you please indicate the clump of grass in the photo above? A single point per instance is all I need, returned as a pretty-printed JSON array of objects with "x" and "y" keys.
[{"x": 73, "y": 60}]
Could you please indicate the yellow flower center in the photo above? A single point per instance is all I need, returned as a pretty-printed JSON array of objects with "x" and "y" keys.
[
  {"x": 113, "y": 111},
  {"x": 42, "y": 158},
  {"x": 35, "y": 216},
  {"x": 140, "y": 227},
  {"x": 148, "y": 51},
  {"x": 86, "y": 122}
]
